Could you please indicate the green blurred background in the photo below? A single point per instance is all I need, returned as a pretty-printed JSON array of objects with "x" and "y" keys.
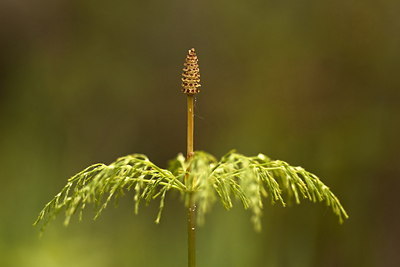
[{"x": 315, "y": 83}]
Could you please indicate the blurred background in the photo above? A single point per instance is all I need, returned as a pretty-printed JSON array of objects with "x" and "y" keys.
[{"x": 315, "y": 83}]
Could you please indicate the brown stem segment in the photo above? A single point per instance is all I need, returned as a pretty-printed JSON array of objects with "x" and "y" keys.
[
  {"x": 190, "y": 125},
  {"x": 191, "y": 223}
]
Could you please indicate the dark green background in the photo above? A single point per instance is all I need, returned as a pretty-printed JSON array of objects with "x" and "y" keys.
[{"x": 315, "y": 83}]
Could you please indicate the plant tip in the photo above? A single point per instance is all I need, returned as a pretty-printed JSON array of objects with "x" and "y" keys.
[{"x": 191, "y": 74}]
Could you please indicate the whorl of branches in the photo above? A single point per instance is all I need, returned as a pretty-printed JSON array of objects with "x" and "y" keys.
[{"x": 234, "y": 177}]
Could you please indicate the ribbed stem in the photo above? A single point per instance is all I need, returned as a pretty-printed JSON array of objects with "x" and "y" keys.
[
  {"x": 191, "y": 219},
  {"x": 190, "y": 125}
]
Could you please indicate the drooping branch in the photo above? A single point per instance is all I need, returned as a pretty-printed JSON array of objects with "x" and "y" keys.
[
  {"x": 250, "y": 179},
  {"x": 99, "y": 184}
]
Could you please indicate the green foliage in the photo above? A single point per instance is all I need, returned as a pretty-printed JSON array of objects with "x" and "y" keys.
[
  {"x": 99, "y": 184},
  {"x": 250, "y": 179},
  {"x": 235, "y": 176}
]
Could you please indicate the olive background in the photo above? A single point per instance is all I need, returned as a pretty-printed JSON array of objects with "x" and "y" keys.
[{"x": 314, "y": 83}]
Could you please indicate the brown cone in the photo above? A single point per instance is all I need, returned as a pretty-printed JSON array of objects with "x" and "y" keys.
[{"x": 191, "y": 74}]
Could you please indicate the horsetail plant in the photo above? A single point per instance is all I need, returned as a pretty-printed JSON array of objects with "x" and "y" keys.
[{"x": 199, "y": 177}]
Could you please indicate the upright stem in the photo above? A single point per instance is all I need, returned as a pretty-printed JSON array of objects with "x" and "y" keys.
[
  {"x": 190, "y": 87},
  {"x": 191, "y": 223}
]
